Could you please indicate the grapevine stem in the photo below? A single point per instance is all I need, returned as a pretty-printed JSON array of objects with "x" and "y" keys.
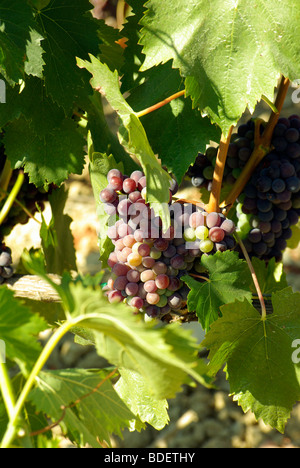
[
  {"x": 15, "y": 414},
  {"x": 5, "y": 176},
  {"x": 160, "y": 104},
  {"x": 7, "y": 390},
  {"x": 262, "y": 148},
  {"x": 17, "y": 202},
  {"x": 214, "y": 200},
  {"x": 254, "y": 277},
  {"x": 12, "y": 196}
]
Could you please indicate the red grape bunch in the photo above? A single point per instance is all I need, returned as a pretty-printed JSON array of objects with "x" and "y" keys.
[{"x": 147, "y": 264}]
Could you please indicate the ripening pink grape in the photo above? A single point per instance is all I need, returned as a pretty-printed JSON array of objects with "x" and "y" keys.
[
  {"x": 135, "y": 196},
  {"x": 119, "y": 245},
  {"x": 213, "y": 220},
  {"x": 131, "y": 289},
  {"x": 136, "y": 175},
  {"x": 196, "y": 219},
  {"x": 144, "y": 250},
  {"x": 124, "y": 230},
  {"x": 112, "y": 259},
  {"x": 122, "y": 255},
  {"x": 216, "y": 234},
  {"x": 150, "y": 286},
  {"x": 147, "y": 275},
  {"x": 129, "y": 241},
  {"x": 115, "y": 297},
  {"x": 153, "y": 298},
  {"x": 129, "y": 185},
  {"x": 120, "y": 283},
  {"x": 137, "y": 302},
  {"x": 114, "y": 173},
  {"x": 119, "y": 269},
  {"x": 159, "y": 268},
  {"x": 148, "y": 262},
  {"x": 162, "y": 281},
  {"x": 133, "y": 276},
  {"x": 116, "y": 183},
  {"x": 108, "y": 195}
]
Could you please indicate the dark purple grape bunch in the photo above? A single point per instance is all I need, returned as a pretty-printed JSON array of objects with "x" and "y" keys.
[
  {"x": 272, "y": 196},
  {"x": 239, "y": 152},
  {"x": 147, "y": 263},
  {"x": 6, "y": 269}
]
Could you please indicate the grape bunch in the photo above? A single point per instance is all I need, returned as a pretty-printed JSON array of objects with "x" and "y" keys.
[
  {"x": 147, "y": 264},
  {"x": 272, "y": 196},
  {"x": 6, "y": 269},
  {"x": 239, "y": 152}
]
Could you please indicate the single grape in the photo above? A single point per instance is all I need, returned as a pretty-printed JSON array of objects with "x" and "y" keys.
[
  {"x": 206, "y": 246},
  {"x": 162, "y": 281},
  {"x": 228, "y": 226},
  {"x": 202, "y": 232},
  {"x": 134, "y": 259},
  {"x": 153, "y": 298},
  {"x": 133, "y": 276},
  {"x": 108, "y": 195},
  {"x": 213, "y": 220},
  {"x": 147, "y": 275},
  {"x": 216, "y": 234}
]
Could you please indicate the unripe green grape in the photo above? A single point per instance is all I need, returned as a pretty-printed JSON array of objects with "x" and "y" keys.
[
  {"x": 206, "y": 246},
  {"x": 202, "y": 232},
  {"x": 189, "y": 235}
]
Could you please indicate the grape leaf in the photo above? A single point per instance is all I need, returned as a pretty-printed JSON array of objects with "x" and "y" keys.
[
  {"x": 133, "y": 390},
  {"x": 18, "y": 329},
  {"x": 133, "y": 137},
  {"x": 41, "y": 157},
  {"x": 185, "y": 132},
  {"x": 35, "y": 63},
  {"x": 295, "y": 239},
  {"x": 271, "y": 277},
  {"x": 99, "y": 412},
  {"x": 124, "y": 339},
  {"x": 263, "y": 375},
  {"x": 230, "y": 54},
  {"x": 16, "y": 20},
  {"x": 229, "y": 279},
  {"x": 69, "y": 31}
]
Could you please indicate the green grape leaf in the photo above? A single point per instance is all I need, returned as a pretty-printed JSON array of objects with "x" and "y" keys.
[
  {"x": 69, "y": 31},
  {"x": 125, "y": 340},
  {"x": 295, "y": 239},
  {"x": 133, "y": 137},
  {"x": 16, "y": 21},
  {"x": 98, "y": 413},
  {"x": 271, "y": 277},
  {"x": 185, "y": 132},
  {"x": 230, "y": 54},
  {"x": 134, "y": 391},
  {"x": 229, "y": 279},
  {"x": 18, "y": 330},
  {"x": 34, "y": 64},
  {"x": 262, "y": 365},
  {"x": 41, "y": 156}
]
